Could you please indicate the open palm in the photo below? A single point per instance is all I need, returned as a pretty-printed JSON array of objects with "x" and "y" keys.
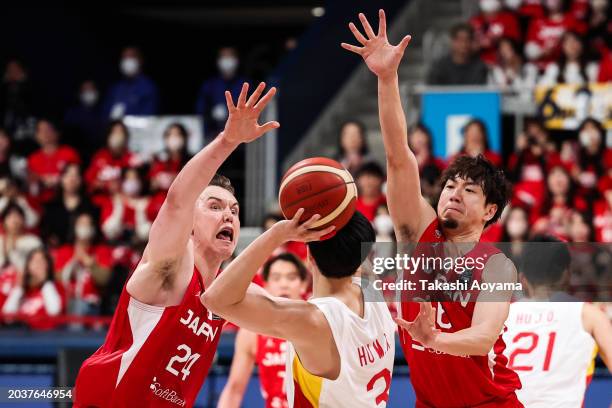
[
  {"x": 380, "y": 56},
  {"x": 242, "y": 124}
]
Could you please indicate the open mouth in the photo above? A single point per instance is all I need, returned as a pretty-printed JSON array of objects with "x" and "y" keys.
[{"x": 226, "y": 234}]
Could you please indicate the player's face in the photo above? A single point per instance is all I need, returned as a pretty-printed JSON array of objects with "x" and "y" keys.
[
  {"x": 462, "y": 205},
  {"x": 284, "y": 280},
  {"x": 216, "y": 222}
]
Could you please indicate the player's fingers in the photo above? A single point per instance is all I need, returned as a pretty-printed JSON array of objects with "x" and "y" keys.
[
  {"x": 404, "y": 43},
  {"x": 268, "y": 126},
  {"x": 352, "y": 48},
  {"x": 243, "y": 94},
  {"x": 259, "y": 106},
  {"x": 382, "y": 23},
  {"x": 358, "y": 36},
  {"x": 366, "y": 26},
  {"x": 230, "y": 102},
  {"x": 256, "y": 94},
  {"x": 309, "y": 223},
  {"x": 296, "y": 217}
]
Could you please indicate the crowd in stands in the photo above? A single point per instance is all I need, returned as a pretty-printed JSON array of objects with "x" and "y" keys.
[{"x": 76, "y": 204}]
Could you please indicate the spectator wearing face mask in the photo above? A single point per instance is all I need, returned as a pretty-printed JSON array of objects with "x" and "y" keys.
[
  {"x": 70, "y": 201},
  {"x": 135, "y": 94},
  {"x": 543, "y": 43},
  {"x": 211, "y": 98},
  {"x": 167, "y": 164},
  {"x": 108, "y": 162},
  {"x": 369, "y": 179},
  {"x": 83, "y": 266},
  {"x": 594, "y": 158},
  {"x": 572, "y": 68},
  {"x": 84, "y": 120},
  {"x": 46, "y": 164},
  {"x": 602, "y": 211},
  {"x": 124, "y": 211},
  {"x": 35, "y": 298},
  {"x": 15, "y": 242},
  {"x": 492, "y": 24}
]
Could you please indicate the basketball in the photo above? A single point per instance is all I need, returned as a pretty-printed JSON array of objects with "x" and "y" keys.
[{"x": 320, "y": 186}]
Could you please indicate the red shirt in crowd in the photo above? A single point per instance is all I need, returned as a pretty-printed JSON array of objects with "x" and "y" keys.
[
  {"x": 105, "y": 167},
  {"x": 163, "y": 172},
  {"x": 546, "y": 33},
  {"x": 81, "y": 285},
  {"x": 8, "y": 279},
  {"x": 605, "y": 68},
  {"x": 33, "y": 311},
  {"x": 42, "y": 164},
  {"x": 489, "y": 29},
  {"x": 369, "y": 209}
]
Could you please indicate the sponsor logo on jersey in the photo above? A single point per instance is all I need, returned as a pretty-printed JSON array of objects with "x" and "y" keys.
[{"x": 166, "y": 393}]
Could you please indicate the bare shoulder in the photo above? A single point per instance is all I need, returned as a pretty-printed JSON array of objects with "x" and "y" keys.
[
  {"x": 592, "y": 316},
  {"x": 412, "y": 231}
]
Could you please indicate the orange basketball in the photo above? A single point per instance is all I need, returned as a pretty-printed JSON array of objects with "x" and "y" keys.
[{"x": 320, "y": 186}]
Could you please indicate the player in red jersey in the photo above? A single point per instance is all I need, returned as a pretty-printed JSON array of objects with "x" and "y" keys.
[
  {"x": 284, "y": 276},
  {"x": 162, "y": 340},
  {"x": 454, "y": 349}
]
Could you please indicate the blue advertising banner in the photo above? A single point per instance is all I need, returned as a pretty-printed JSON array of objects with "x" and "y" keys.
[{"x": 445, "y": 113}]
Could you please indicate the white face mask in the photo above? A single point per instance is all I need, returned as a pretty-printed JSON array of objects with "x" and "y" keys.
[
  {"x": 490, "y": 6},
  {"x": 586, "y": 137},
  {"x": 383, "y": 224},
  {"x": 131, "y": 187},
  {"x": 227, "y": 65},
  {"x": 116, "y": 141},
  {"x": 513, "y": 4},
  {"x": 129, "y": 66},
  {"x": 516, "y": 229},
  {"x": 175, "y": 143},
  {"x": 89, "y": 98},
  {"x": 84, "y": 232}
]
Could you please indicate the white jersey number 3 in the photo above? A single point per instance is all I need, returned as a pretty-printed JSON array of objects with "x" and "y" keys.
[{"x": 188, "y": 358}]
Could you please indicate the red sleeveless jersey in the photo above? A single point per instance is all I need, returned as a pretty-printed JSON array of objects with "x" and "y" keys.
[
  {"x": 442, "y": 380},
  {"x": 271, "y": 359},
  {"x": 153, "y": 356}
]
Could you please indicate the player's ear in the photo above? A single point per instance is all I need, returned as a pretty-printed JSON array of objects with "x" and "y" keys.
[{"x": 490, "y": 211}]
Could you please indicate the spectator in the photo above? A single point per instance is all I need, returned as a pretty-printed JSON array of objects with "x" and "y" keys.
[
  {"x": 599, "y": 20},
  {"x": 83, "y": 266},
  {"x": 515, "y": 231},
  {"x": 11, "y": 194},
  {"x": 108, "y": 163},
  {"x": 460, "y": 67},
  {"x": 46, "y": 164},
  {"x": 211, "y": 97},
  {"x": 476, "y": 141},
  {"x": 84, "y": 120},
  {"x": 580, "y": 229},
  {"x": 383, "y": 225},
  {"x": 605, "y": 67},
  {"x": 492, "y": 24},
  {"x": 36, "y": 298},
  {"x": 16, "y": 97},
  {"x": 561, "y": 193},
  {"x": 593, "y": 157},
  {"x": 353, "y": 148},
  {"x": 369, "y": 179},
  {"x": 70, "y": 201},
  {"x": 135, "y": 94},
  {"x": 544, "y": 33},
  {"x": 124, "y": 212},
  {"x": 430, "y": 168},
  {"x": 510, "y": 73},
  {"x": 602, "y": 211},
  {"x": 167, "y": 164},
  {"x": 15, "y": 243},
  {"x": 572, "y": 67}
]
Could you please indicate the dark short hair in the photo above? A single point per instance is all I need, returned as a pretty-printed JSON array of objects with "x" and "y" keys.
[
  {"x": 287, "y": 257},
  {"x": 544, "y": 262},
  {"x": 483, "y": 129},
  {"x": 370, "y": 168},
  {"x": 496, "y": 187},
  {"x": 117, "y": 122},
  {"x": 459, "y": 27},
  {"x": 223, "y": 182},
  {"x": 341, "y": 255},
  {"x": 11, "y": 207}
]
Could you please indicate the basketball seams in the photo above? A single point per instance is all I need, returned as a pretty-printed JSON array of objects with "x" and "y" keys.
[{"x": 291, "y": 204}]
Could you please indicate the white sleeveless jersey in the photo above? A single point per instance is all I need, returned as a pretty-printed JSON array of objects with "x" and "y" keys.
[
  {"x": 551, "y": 352},
  {"x": 367, "y": 351}
]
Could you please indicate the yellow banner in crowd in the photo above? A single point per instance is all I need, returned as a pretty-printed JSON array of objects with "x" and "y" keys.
[{"x": 566, "y": 106}]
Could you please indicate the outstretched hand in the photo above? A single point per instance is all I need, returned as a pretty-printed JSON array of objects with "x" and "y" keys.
[
  {"x": 241, "y": 125},
  {"x": 382, "y": 58},
  {"x": 293, "y": 230},
  {"x": 423, "y": 327}
]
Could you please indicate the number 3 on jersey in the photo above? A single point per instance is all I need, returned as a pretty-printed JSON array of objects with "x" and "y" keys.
[
  {"x": 188, "y": 358},
  {"x": 386, "y": 376}
]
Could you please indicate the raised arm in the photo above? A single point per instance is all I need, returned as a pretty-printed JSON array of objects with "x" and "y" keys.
[
  {"x": 170, "y": 231},
  {"x": 598, "y": 325},
  {"x": 245, "y": 349},
  {"x": 409, "y": 210}
]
